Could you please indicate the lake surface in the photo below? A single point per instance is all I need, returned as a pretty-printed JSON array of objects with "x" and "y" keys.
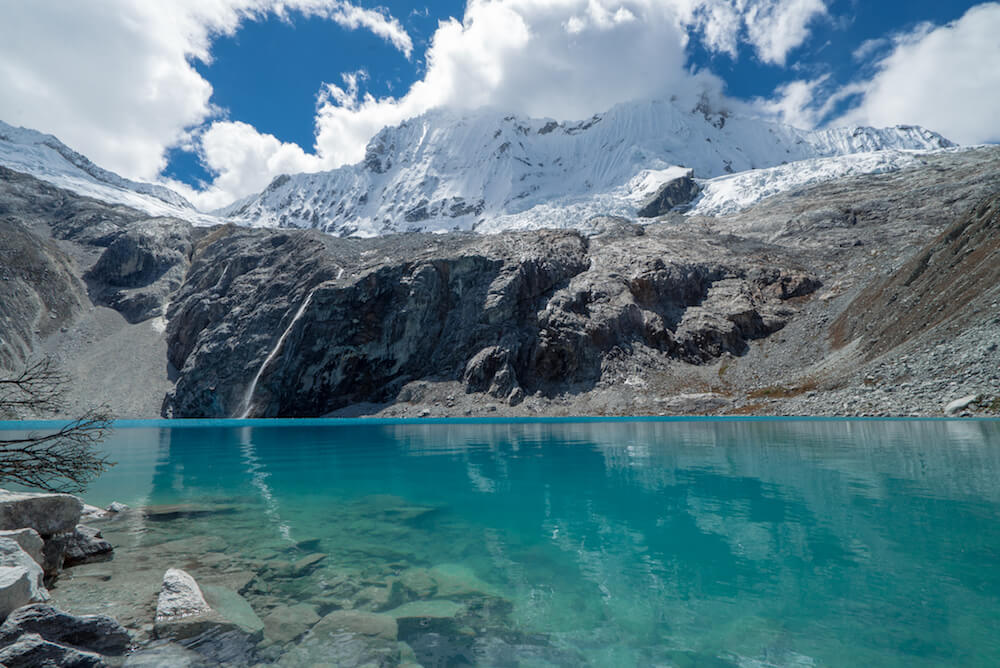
[{"x": 561, "y": 543}]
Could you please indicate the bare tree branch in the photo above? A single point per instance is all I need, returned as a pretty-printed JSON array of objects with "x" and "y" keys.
[{"x": 65, "y": 459}]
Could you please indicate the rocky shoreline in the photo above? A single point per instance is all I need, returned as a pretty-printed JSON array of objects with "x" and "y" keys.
[{"x": 200, "y": 601}]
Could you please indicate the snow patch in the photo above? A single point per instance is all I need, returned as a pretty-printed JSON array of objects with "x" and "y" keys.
[{"x": 46, "y": 158}]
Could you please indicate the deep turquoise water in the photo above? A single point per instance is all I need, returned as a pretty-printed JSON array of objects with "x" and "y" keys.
[{"x": 611, "y": 543}]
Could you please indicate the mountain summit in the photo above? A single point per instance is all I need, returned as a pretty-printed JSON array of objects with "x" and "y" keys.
[{"x": 487, "y": 171}]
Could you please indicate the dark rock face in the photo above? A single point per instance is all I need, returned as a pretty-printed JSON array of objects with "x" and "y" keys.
[
  {"x": 92, "y": 633},
  {"x": 670, "y": 196},
  {"x": 509, "y": 314},
  {"x": 141, "y": 267}
]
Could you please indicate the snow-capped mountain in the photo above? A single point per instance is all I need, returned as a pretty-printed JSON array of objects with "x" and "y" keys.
[
  {"x": 488, "y": 171},
  {"x": 45, "y": 157}
]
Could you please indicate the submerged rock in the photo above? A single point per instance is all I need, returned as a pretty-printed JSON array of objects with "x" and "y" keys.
[
  {"x": 347, "y": 638},
  {"x": 371, "y": 624},
  {"x": 285, "y": 623}
]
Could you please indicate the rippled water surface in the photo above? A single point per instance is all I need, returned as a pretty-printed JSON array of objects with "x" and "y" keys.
[{"x": 666, "y": 543}]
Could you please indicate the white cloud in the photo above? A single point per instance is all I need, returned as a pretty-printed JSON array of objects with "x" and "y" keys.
[
  {"x": 245, "y": 161},
  {"x": 113, "y": 79},
  {"x": 794, "y": 103},
  {"x": 773, "y": 28},
  {"x": 945, "y": 78},
  {"x": 869, "y": 48}
]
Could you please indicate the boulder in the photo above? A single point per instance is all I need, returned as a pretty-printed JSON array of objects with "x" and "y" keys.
[
  {"x": 85, "y": 545},
  {"x": 29, "y": 540},
  {"x": 93, "y": 513},
  {"x": 117, "y": 507},
  {"x": 958, "y": 405},
  {"x": 675, "y": 193},
  {"x": 21, "y": 578},
  {"x": 47, "y": 514},
  {"x": 95, "y": 633},
  {"x": 31, "y": 650},
  {"x": 180, "y": 599},
  {"x": 184, "y": 612}
]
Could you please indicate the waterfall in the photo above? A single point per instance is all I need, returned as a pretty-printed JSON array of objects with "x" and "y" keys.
[{"x": 248, "y": 397}]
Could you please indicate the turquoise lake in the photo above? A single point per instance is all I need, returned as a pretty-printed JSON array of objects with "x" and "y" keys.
[{"x": 567, "y": 543}]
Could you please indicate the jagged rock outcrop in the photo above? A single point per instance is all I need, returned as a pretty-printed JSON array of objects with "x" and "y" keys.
[
  {"x": 674, "y": 194},
  {"x": 141, "y": 268}
]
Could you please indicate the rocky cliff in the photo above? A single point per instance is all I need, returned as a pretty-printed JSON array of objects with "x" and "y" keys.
[{"x": 270, "y": 323}]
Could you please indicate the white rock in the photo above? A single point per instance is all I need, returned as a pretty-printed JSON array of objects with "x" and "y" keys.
[
  {"x": 45, "y": 513},
  {"x": 20, "y": 578},
  {"x": 117, "y": 507},
  {"x": 29, "y": 540},
  {"x": 183, "y": 612},
  {"x": 91, "y": 513},
  {"x": 958, "y": 405},
  {"x": 180, "y": 597}
]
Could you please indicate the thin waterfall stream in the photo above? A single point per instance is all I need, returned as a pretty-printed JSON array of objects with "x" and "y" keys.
[{"x": 248, "y": 397}]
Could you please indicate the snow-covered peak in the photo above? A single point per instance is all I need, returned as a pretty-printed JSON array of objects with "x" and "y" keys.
[
  {"x": 45, "y": 157},
  {"x": 487, "y": 170}
]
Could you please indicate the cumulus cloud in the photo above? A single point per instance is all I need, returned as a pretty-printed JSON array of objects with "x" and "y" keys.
[
  {"x": 114, "y": 79},
  {"x": 945, "y": 78},
  {"x": 773, "y": 28}
]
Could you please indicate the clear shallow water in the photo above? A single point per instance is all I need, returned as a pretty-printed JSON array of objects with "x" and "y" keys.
[{"x": 684, "y": 543}]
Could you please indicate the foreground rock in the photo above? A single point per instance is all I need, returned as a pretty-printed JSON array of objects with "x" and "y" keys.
[
  {"x": 21, "y": 578},
  {"x": 32, "y": 650},
  {"x": 93, "y": 633},
  {"x": 218, "y": 624},
  {"x": 46, "y": 513}
]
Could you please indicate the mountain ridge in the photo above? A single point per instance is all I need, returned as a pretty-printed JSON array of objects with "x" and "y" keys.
[{"x": 487, "y": 171}]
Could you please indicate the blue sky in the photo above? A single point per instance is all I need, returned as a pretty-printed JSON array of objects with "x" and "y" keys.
[{"x": 217, "y": 97}]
